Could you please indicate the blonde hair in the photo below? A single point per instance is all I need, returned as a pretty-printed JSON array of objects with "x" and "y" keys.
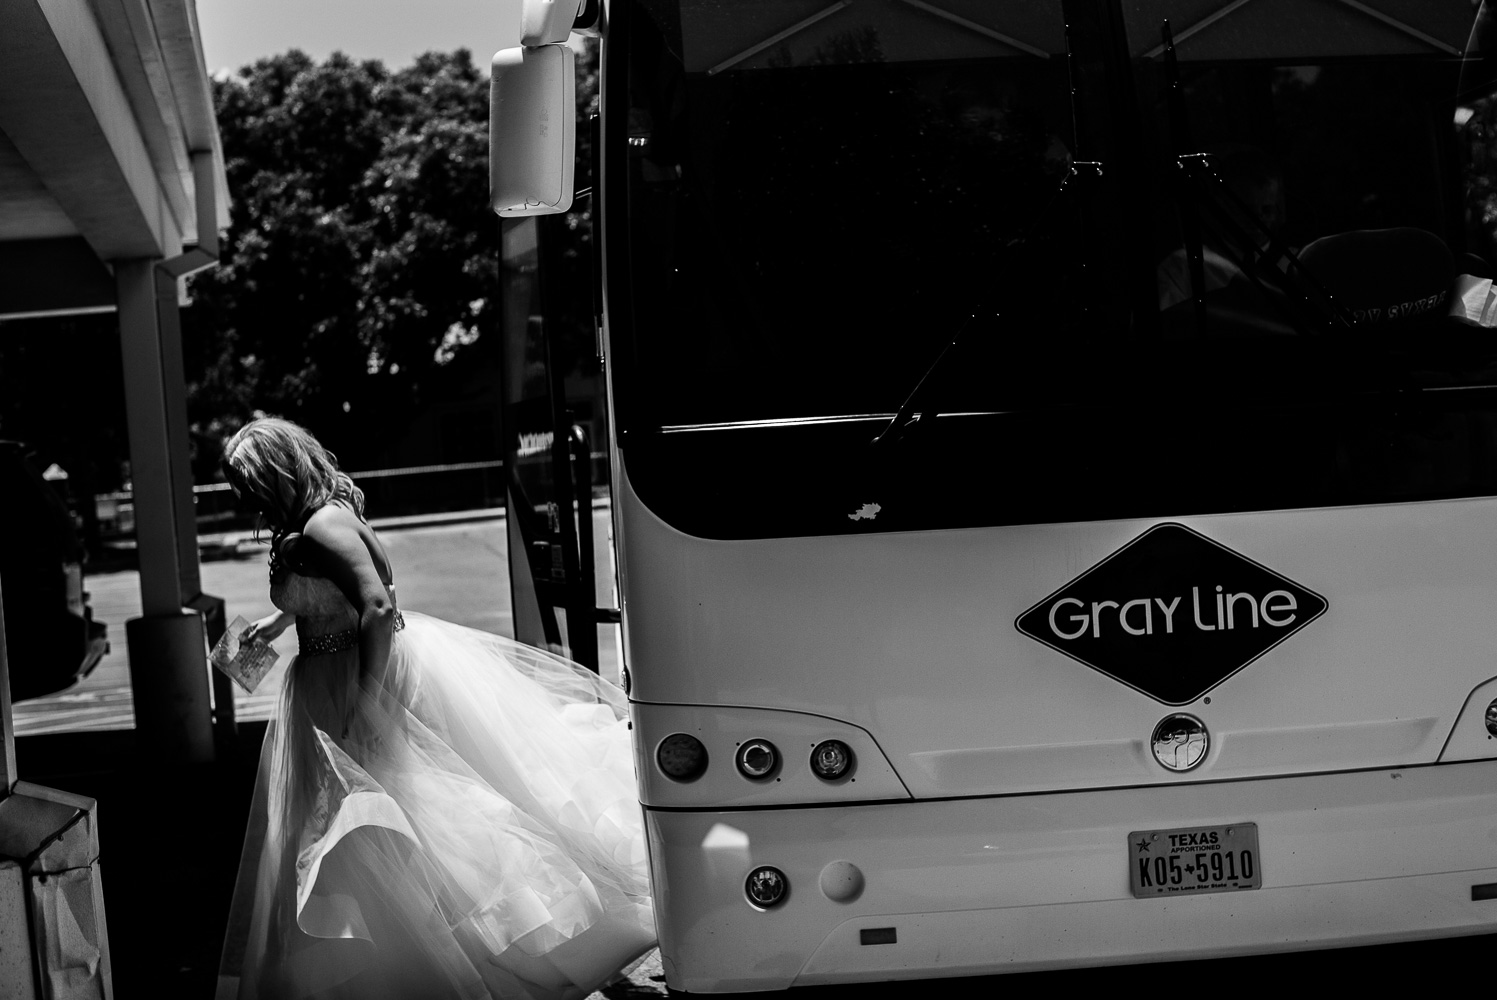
[{"x": 287, "y": 472}]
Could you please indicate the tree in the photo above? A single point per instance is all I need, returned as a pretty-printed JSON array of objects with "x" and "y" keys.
[
  {"x": 362, "y": 258},
  {"x": 358, "y": 278}
]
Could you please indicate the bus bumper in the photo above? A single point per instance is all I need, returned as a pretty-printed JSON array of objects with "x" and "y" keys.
[{"x": 1022, "y": 883}]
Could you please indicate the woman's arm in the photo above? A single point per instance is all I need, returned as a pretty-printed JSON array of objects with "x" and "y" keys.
[
  {"x": 268, "y": 628},
  {"x": 332, "y": 545}
]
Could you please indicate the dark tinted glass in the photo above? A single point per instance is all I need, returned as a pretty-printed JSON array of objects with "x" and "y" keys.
[
  {"x": 1273, "y": 293},
  {"x": 813, "y": 216}
]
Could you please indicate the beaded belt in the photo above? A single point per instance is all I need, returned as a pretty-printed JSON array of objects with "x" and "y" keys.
[{"x": 333, "y": 642}]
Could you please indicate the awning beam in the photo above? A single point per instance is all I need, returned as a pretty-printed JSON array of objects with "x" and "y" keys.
[{"x": 88, "y": 146}]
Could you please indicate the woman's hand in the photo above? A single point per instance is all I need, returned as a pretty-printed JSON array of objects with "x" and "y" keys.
[{"x": 267, "y": 629}]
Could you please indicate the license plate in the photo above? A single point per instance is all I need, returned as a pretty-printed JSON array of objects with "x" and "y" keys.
[{"x": 1194, "y": 859}]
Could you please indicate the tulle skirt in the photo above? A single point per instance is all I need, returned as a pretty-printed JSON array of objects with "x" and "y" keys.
[{"x": 471, "y": 829}]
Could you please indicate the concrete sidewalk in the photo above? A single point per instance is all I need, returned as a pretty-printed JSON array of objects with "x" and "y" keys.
[{"x": 171, "y": 842}]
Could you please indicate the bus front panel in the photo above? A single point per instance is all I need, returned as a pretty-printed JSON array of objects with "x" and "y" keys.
[{"x": 1041, "y": 429}]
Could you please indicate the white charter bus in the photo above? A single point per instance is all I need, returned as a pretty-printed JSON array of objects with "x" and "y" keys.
[{"x": 1053, "y": 458}]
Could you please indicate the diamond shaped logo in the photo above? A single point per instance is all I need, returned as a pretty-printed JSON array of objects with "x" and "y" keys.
[{"x": 1172, "y": 614}]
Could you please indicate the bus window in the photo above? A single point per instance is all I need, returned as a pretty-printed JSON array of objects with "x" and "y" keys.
[{"x": 818, "y": 203}]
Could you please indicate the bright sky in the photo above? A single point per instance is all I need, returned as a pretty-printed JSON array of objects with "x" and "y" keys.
[{"x": 237, "y": 32}]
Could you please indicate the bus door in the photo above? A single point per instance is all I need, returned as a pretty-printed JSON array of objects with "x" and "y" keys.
[{"x": 553, "y": 429}]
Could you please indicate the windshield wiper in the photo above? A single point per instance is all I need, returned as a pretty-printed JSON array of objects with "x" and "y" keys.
[
  {"x": 912, "y": 411},
  {"x": 908, "y": 415}
]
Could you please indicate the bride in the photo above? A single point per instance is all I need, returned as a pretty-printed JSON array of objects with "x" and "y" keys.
[{"x": 444, "y": 812}]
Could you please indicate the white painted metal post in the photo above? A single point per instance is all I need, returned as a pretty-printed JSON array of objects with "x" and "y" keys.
[
  {"x": 179, "y": 454},
  {"x": 174, "y": 383},
  {"x": 168, "y": 654},
  {"x": 150, "y": 449}
]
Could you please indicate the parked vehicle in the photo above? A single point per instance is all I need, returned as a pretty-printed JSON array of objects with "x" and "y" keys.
[
  {"x": 1053, "y": 452},
  {"x": 51, "y": 638}
]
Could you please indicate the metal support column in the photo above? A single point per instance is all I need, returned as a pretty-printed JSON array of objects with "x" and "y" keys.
[
  {"x": 168, "y": 645},
  {"x": 179, "y": 454},
  {"x": 189, "y": 573}
]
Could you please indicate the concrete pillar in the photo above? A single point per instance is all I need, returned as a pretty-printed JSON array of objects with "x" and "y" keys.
[{"x": 168, "y": 661}]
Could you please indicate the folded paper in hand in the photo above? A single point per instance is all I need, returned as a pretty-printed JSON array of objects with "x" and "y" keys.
[{"x": 246, "y": 662}]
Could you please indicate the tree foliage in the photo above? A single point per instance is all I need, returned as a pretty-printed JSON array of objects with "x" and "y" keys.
[
  {"x": 358, "y": 281},
  {"x": 362, "y": 262}
]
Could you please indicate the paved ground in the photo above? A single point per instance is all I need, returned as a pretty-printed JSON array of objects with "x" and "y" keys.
[
  {"x": 177, "y": 836},
  {"x": 454, "y": 571}
]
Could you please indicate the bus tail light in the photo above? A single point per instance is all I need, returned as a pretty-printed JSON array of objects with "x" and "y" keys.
[
  {"x": 746, "y": 757},
  {"x": 766, "y": 886},
  {"x": 681, "y": 757},
  {"x": 758, "y": 759},
  {"x": 831, "y": 760}
]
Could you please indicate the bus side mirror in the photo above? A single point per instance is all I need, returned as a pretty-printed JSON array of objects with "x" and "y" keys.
[
  {"x": 532, "y": 130},
  {"x": 547, "y": 22}
]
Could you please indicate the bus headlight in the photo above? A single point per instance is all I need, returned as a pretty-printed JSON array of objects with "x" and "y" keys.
[
  {"x": 766, "y": 886},
  {"x": 681, "y": 757},
  {"x": 758, "y": 759},
  {"x": 1492, "y": 718},
  {"x": 831, "y": 760}
]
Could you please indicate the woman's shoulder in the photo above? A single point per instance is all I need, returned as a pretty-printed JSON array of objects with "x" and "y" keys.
[
  {"x": 334, "y": 527},
  {"x": 333, "y": 518},
  {"x": 325, "y": 530}
]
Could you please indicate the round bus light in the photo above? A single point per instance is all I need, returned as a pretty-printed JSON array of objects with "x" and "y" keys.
[
  {"x": 681, "y": 757},
  {"x": 766, "y": 887},
  {"x": 831, "y": 760},
  {"x": 758, "y": 759},
  {"x": 1492, "y": 719}
]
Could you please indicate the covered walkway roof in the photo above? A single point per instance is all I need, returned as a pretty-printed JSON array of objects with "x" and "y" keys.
[
  {"x": 107, "y": 136},
  {"x": 112, "y": 188}
]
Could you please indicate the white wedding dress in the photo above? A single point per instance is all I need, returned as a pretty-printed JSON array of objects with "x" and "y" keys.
[{"x": 472, "y": 829}]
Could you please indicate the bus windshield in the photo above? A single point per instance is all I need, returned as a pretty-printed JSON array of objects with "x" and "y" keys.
[
  {"x": 839, "y": 196},
  {"x": 1193, "y": 257}
]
